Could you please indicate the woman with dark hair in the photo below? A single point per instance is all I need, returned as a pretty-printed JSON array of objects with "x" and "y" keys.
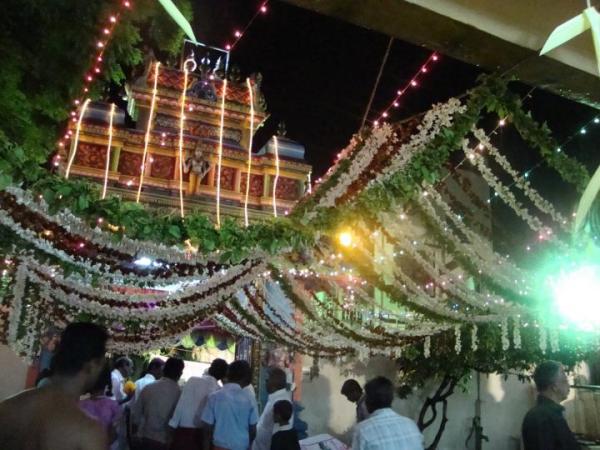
[{"x": 100, "y": 407}]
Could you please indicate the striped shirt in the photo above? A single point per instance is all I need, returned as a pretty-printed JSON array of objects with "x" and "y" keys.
[{"x": 386, "y": 430}]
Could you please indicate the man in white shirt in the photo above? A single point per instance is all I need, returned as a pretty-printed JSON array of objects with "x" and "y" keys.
[
  {"x": 186, "y": 418},
  {"x": 384, "y": 429},
  {"x": 123, "y": 370},
  {"x": 276, "y": 387},
  {"x": 153, "y": 373}
]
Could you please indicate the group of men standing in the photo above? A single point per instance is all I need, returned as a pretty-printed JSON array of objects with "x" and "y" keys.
[
  {"x": 379, "y": 428},
  {"x": 217, "y": 411}
]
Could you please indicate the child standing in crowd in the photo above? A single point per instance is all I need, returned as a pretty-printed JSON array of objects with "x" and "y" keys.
[{"x": 288, "y": 439}]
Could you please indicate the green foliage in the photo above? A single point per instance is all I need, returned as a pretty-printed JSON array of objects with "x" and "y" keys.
[
  {"x": 46, "y": 50},
  {"x": 416, "y": 369}
]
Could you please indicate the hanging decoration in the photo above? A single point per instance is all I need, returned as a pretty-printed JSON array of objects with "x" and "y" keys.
[
  {"x": 73, "y": 151},
  {"x": 148, "y": 131},
  {"x": 276, "y": 179},
  {"x": 186, "y": 70},
  {"x": 111, "y": 116},
  {"x": 589, "y": 19},
  {"x": 179, "y": 18},
  {"x": 250, "y": 137},
  {"x": 220, "y": 156}
]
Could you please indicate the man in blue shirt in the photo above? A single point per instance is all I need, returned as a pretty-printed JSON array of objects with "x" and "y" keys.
[{"x": 230, "y": 416}]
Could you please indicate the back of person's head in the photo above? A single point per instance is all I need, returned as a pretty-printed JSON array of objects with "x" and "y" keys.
[
  {"x": 173, "y": 368},
  {"x": 379, "y": 394},
  {"x": 218, "y": 369},
  {"x": 122, "y": 362},
  {"x": 545, "y": 374},
  {"x": 239, "y": 372},
  {"x": 351, "y": 386},
  {"x": 80, "y": 344},
  {"x": 103, "y": 382},
  {"x": 155, "y": 367},
  {"x": 283, "y": 410},
  {"x": 277, "y": 380}
]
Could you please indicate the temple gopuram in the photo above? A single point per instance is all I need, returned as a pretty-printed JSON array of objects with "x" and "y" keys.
[{"x": 200, "y": 145}]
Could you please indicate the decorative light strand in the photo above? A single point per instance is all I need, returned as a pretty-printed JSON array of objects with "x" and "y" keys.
[
  {"x": 412, "y": 83},
  {"x": 148, "y": 129},
  {"x": 220, "y": 157},
  {"x": 108, "y": 148},
  {"x": 237, "y": 34},
  {"x": 251, "y": 94},
  {"x": 276, "y": 146},
  {"x": 76, "y": 141},
  {"x": 95, "y": 69},
  {"x": 580, "y": 131},
  {"x": 181, "y": 129}
]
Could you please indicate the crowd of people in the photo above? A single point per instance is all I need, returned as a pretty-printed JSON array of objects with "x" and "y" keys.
[{"x": 85, "y": 405}]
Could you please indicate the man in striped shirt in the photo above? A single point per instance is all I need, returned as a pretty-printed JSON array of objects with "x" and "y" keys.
[{"x": 384, "y": 429}]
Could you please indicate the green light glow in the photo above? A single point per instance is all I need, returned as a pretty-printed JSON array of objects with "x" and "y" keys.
[{"x": 576, "y": 296}]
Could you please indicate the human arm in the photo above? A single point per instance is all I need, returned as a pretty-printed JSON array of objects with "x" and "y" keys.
[
  {"x": 208, "y": 423},
  {"x": 252, "y": 420},
  {"x": 357, "y": 440},
  {"x": 264, "y": 430}
]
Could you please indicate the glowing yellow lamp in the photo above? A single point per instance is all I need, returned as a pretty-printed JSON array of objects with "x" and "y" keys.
[{"x": 345, "y": 238}]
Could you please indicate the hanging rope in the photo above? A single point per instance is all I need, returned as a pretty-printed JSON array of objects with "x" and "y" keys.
[{"x": 381, "y": 67}]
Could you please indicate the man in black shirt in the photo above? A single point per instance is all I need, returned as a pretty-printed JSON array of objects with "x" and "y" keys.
[{"x": 544, "y": 426}]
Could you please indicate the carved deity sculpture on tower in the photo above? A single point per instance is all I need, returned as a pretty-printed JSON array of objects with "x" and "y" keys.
[{"x": 197, "y": 165}]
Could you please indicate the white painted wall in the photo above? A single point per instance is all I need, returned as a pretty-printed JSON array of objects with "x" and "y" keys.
[
  {"x": 14, "y": 373},
  {"x": 504, "y": 404}
]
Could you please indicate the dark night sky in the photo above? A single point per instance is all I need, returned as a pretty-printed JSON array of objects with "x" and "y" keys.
[{"x": 318, "y": 74}]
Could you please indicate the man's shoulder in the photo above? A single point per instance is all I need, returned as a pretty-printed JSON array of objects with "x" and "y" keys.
[{"x": 386, "y": 416}]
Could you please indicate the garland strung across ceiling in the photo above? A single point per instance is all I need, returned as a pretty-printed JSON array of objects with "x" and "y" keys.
[{"x": 411, "y": 268}]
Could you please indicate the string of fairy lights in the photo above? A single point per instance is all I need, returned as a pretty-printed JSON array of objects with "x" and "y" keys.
[
  {"x": 581, "y": 131},
  {"x": 95, "y": 69},
  {"x": 413, "y": 82}
]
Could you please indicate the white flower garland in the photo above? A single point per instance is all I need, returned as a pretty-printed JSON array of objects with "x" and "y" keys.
[
  {"x": 516, "y": 332},
  {"x": 473, "y": 298},
  {"x": 509, "y": 198},
  {"x": 14, "y": 316},
  {"x": 174, "y": 311},
  {"x": 427, "y": 347},
  {"x": 73, "y": 224},
  {"x": 543, "y": 335},
  {"x": 457, "y": 341},
  {"x": 477, "y": 249},
  {"x": 440, "y": 116},
  {"x": 474, "y": 338},
  {"x": 100, "y": 269},
  {"x": 521, "y": 182},
  {"x": 505, "y": 339},
  {"x": 365, "y": 155}
]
